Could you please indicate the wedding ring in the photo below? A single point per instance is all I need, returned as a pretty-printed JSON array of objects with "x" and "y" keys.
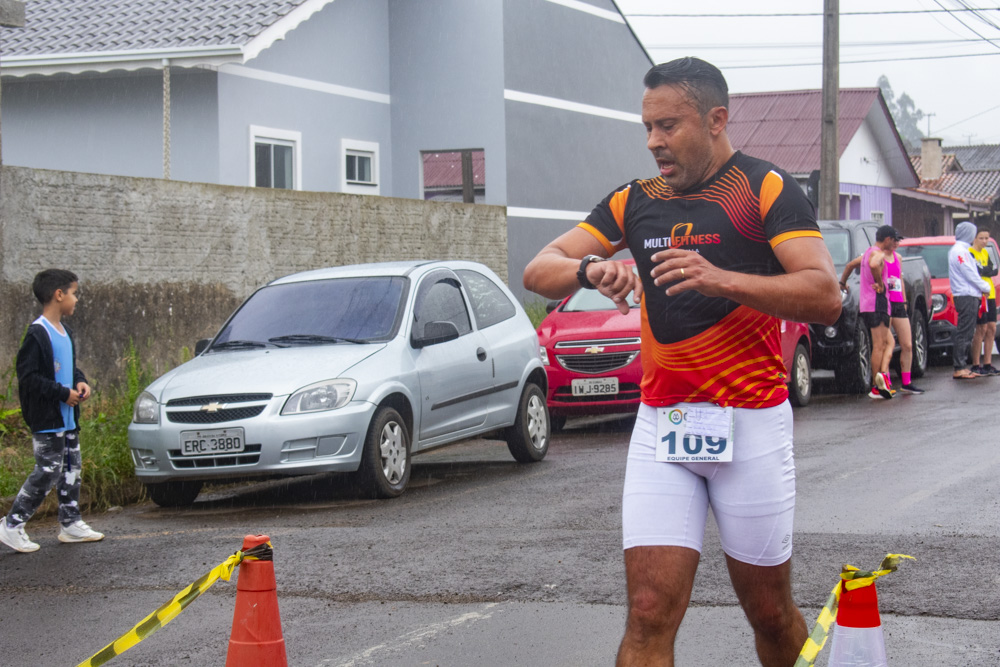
[{"x": 682, "y": 273}]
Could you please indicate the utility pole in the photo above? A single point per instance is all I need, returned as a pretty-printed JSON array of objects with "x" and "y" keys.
[
  {"x": 829, "y": 160},
  {"x": 11, "y": 16}
]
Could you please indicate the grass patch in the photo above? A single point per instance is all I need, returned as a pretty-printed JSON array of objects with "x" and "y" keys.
[
  {"x": 108, "y": 474},
  {"x": 535, "y": 308}
]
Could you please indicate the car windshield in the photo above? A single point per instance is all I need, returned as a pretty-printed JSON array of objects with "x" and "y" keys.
[
  {"x": 936, "y": 257},
  {"x": 589, "y": 300},
  {"x": 317, "y": 312},
  {"x": 838, "y": 242}
]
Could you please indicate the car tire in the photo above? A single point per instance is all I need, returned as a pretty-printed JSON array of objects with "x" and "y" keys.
[
  {"x": 385, "y": 461},
  {"x": 855, "y": 373},
  {"x": 800, "y": 376},
  {"x": 921, "y": 345},
  {"x": 174, "y": 494},
  {"x": 556, "y": 422},
  {"x": 528, "y": 438}
]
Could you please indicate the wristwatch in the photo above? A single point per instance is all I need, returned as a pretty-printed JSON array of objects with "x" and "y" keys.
[{"x": 581, "y": 274}]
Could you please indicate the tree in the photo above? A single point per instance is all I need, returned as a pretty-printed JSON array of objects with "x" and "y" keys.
[{"x": 905, "y": 114}]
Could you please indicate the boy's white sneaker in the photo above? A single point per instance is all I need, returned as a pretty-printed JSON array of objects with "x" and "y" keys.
[
  {"x": 78, "y": 531},
  {"x": 16, "y": 538}
]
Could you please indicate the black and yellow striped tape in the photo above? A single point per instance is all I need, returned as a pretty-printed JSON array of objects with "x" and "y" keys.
[
  {"x": 852, "y": 578},
  {"x": 170, "y": 610}
]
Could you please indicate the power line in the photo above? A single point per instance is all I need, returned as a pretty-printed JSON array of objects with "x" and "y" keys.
[
  {"x": 850, "y": 62},
  {"x": 942, "y": 129},
  {"x": 811, "y": 45},
  {"x": 971, "y": 29},
  {"x": 783, "y": 14}
]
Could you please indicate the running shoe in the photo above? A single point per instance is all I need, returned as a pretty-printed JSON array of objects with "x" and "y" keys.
[
  {"x": 988, "y": 369},
  {"x": 16, "y": 538},
  {"x": 911, "y": 389},
  {"x": 978, "y": 370},
  {"x": 881, "y": 386},
  {"x": 874, "y": 394},
  {"x": 78, "y": 531}
]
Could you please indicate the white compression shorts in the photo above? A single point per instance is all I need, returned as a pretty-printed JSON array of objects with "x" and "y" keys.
[{"x": 752, "y": 497}]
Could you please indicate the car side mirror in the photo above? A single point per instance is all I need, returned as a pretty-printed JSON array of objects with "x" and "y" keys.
[
  {"x": 436, "y": 332},
  {"x": 201, "y": 346},
  {"x": 552, "y": 305}
]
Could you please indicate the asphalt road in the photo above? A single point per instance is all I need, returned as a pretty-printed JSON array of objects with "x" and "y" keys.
[{"x": 488, "y": 562}]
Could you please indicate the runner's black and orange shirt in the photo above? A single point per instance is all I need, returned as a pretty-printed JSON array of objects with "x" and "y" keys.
[{"x": 697, "y": 348}]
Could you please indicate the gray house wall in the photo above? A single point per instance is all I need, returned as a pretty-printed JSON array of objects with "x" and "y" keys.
[
  {"x": 112, "y": 124},
  {"x": 345, "y": 44},
  {"x": 563, "y": 160},
  {"x": 447, "y": 64}
]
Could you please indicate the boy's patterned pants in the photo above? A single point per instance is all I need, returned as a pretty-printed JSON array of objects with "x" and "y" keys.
[{"x": 57, "y": 463}]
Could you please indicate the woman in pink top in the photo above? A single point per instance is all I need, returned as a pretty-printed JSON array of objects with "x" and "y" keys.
[{"x": 898, "y": 317}]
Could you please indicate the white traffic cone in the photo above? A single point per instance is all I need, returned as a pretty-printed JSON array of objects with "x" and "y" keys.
[{"x": 857, "y": 637}]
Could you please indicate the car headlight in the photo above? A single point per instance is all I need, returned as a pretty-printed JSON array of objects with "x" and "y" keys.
[
  {"x": 937, "y": 302},
  {"x": 146, "y": 410},
  {"x": 544, "y": 354},
  {"x": 325, "y": 395}
]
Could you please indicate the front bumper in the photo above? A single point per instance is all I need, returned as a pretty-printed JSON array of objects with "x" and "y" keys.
[
  {"x": 276, "y": 445},
  {"x": 940, "y": 333}
]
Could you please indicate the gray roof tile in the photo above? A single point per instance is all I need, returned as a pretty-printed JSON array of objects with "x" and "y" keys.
[{"x": 85, "y": 26}]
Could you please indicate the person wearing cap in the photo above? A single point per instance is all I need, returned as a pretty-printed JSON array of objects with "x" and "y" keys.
[
  {"x": 873, "y": 303},
  {"x": 967, "y": 289}
]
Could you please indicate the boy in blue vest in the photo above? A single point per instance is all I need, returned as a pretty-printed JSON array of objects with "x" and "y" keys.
[{"x": 51, "y": 388}]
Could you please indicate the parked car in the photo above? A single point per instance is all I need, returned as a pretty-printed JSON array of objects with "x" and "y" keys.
[
  {"x": 845, "y": 347},
  {"x": 350, "y": 369},
  {"x": 934, "y": 250},
  {"x": 591, "y": 354}
]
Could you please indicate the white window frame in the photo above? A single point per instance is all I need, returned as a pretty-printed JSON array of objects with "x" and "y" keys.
[
  {"x": 354, "y": 187},
  {"x": 281, "y": 137},
  {"x": 879, "y": 217}
]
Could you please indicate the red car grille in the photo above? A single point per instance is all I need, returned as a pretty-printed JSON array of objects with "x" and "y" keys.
[{"x": 593, "y": 364}]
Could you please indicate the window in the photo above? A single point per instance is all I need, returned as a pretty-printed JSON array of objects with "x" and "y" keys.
[
  {"x": 879, "y": 217},
  {"x": 454, "y": 175},
  {"x": 275, "y": 159},
  {"x": 489, "y": 304},
  {"x": 439, "y": 299},
  {"x": 360, "y": 161}
]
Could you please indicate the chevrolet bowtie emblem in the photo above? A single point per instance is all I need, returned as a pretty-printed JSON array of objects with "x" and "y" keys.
[
  {"x": 593, "y": 350},
  {"x": 213, "y": 407}
]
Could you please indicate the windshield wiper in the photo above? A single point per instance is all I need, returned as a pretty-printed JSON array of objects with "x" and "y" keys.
[
  {"x": 313, "y": 339},
  {"x": 238, "y": 344}
]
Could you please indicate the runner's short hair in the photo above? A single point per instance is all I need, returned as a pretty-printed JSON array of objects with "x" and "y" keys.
[
  {"x": 700, "y": 79},
  {"x": 48, "y": 281}
]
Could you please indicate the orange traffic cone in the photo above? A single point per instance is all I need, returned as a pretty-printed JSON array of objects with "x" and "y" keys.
[
  {"x": 256, "y": 636},
  {"x": 857, "y": 637}
]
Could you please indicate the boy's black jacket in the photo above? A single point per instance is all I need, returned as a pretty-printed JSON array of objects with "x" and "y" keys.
[{"x": 37, "y": 388}]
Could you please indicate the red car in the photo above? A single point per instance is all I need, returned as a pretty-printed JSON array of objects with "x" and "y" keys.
[
  {"x": 591, "y": 355},
  {"x": 934, "y": 250}
]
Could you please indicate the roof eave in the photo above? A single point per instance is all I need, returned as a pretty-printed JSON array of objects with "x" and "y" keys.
[
  {"x": 277, "y": 31},
  {"x": 108, "y": 61}
]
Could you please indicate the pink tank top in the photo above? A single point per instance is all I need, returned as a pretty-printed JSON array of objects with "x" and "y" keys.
[
  {"x": 893, "y": 276},
  {"x": 866, "y": 299}
]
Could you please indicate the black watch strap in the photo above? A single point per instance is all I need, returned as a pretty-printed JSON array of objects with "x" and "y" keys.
[{"x": 581, "y": 274}]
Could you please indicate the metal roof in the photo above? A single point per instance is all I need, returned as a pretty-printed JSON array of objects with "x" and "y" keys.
[
  {"x": 976, "y": 158},
  {"x": 785, "y": 127},
  {"x": 100, "y": 35}
]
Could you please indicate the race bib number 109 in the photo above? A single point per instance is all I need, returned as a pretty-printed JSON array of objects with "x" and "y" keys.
[{"x": 694, "y": 434}]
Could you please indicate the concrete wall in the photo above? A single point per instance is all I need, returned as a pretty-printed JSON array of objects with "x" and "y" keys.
[{"x": 164, "y": 263}]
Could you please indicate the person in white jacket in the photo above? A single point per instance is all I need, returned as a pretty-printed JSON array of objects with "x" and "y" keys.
[{"x": 967, "y": 290}]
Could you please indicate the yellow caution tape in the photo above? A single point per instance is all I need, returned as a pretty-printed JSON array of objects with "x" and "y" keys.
[
  {"x": 852, "y": 578},
  {"x": 170, "y": 610}
]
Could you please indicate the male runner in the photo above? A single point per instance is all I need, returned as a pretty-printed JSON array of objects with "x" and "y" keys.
[{"x": 725, "y": 245}]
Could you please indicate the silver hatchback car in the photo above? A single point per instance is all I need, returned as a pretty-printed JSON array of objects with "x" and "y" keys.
[{"x": 352, "y": 368}]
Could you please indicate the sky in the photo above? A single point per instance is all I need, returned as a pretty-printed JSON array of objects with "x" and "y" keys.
[{"x": 948, "y": 62}]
